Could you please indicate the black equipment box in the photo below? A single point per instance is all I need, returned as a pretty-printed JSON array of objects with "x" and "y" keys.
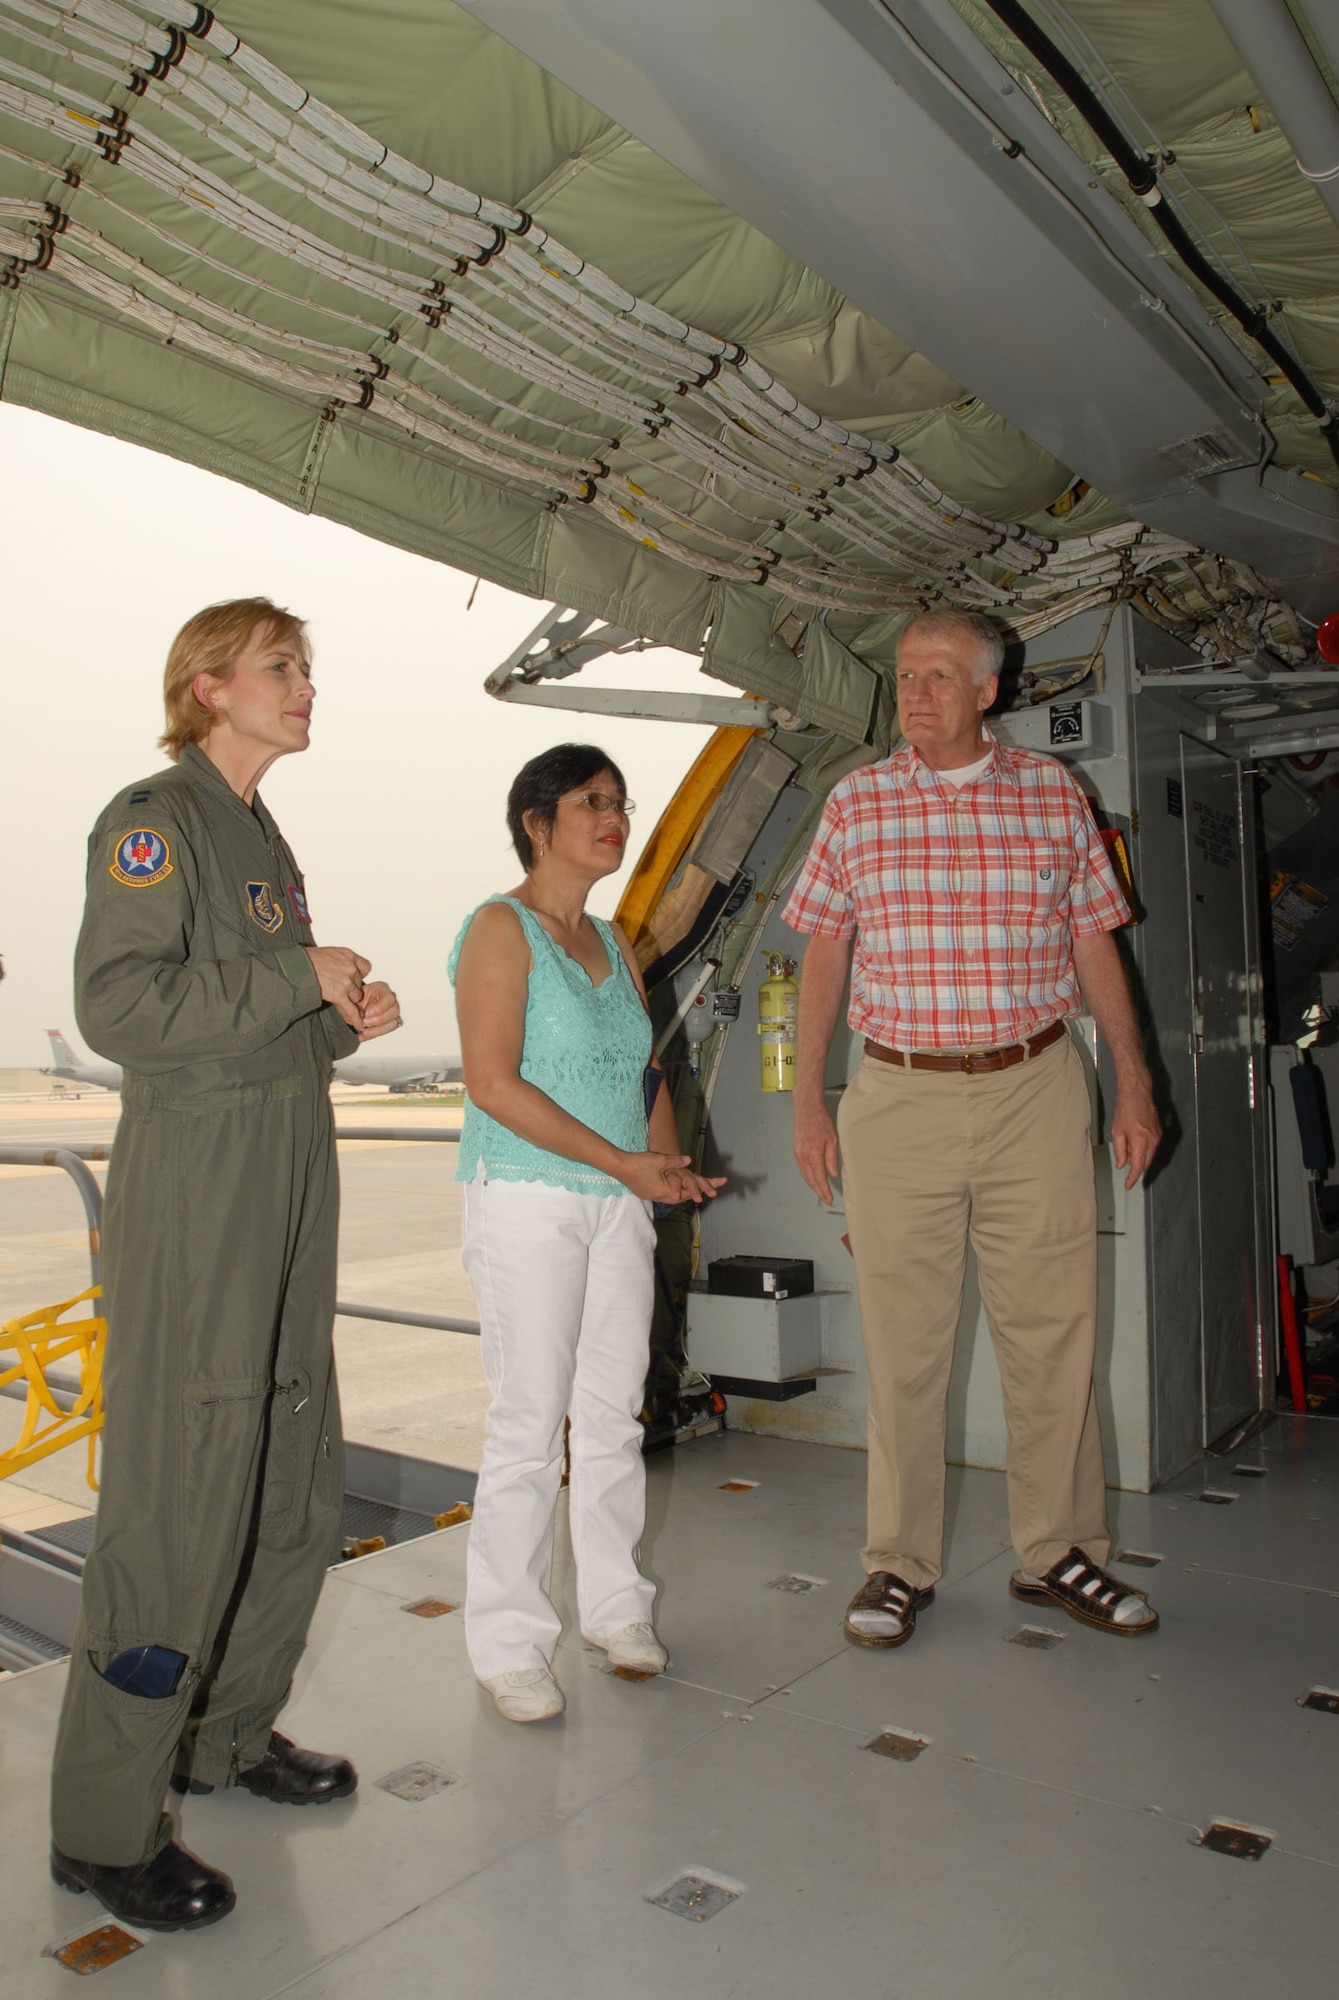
[{"x": 761, "y": 1277}]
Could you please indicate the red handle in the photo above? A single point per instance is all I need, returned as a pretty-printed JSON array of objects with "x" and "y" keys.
[{"x": 1292, "y": 1341}]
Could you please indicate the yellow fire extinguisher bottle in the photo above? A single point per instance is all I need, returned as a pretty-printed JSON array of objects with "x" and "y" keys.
[{"x": 778, "y": 1006}]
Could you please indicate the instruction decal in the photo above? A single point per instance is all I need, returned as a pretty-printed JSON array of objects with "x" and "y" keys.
[
  {"x": 1066, "y": 721},
  {"x": 1215, "y": 834},
  {"x": 142, "y": 858}
]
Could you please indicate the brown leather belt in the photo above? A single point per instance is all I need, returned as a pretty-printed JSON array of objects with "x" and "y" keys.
[{"x": 968, "y": 1062}]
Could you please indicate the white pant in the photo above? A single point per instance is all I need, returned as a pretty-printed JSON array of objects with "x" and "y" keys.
[{"x": 564, "y": 1287}]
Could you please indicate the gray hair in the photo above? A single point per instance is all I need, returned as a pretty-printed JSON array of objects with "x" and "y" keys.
[{"x": 984, "y": 634}]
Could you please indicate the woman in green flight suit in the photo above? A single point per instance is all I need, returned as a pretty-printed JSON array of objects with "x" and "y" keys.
[{"x": 222, "y": 1473}]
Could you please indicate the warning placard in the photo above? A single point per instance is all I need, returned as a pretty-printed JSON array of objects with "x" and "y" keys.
[{"x": 1293, "y": 905}]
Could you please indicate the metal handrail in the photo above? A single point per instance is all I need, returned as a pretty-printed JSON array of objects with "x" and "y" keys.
[
  {"x": 399, "y": 1134},
  {"x": 64, "y": 1393},
  {"x": 430, "y": 1320},
  {"x": 434, "y": 1322},
  {"x": 65, "y": 1390},
  {"x": 72, "y": 1159}
]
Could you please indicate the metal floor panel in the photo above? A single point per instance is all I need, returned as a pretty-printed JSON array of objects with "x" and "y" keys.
[
  {"x": 75, "y": 1536},
  {"x": 1041, "y": 1842},
  {"x": 21, "y": 1646},
  {"x": 363, "y": 1519}
]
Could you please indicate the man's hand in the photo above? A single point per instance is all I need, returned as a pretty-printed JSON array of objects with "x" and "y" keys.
[
  {"x": 381, "y": 1011},
  {"x": 1136, "y": 1129},
  {"x": 822, "y": 984},
  {"x": 340, "y": 974},
  {"x": 816, "y": 1145}
]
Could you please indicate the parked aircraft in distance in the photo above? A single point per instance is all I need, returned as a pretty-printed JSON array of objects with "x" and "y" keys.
[
  {"x": 67, "y": 1067},
  {"x": 394, "y": 1072},
  {"x": 391, "y": 1072}
]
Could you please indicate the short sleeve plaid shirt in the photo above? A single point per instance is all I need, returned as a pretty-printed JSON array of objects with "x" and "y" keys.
[{"x": 963, "y": 903}]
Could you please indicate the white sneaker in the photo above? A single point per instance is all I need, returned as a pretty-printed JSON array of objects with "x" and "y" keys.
[
  {"x": 637, "y": 1648},
  {"x": 529, "y": 1695}
]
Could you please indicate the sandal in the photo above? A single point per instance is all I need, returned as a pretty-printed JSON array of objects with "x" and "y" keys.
[
  {"x": 883, "y": 1611},
  {"x": 1088, "y": 1594}
]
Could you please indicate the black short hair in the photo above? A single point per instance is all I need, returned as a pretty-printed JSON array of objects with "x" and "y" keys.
[{"x": 538, "y": 786}]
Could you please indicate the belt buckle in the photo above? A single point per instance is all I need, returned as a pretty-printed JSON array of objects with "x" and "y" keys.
[{"x": 970, "y": 1059}]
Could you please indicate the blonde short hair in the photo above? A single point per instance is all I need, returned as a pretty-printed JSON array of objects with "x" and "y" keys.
[{"x": 209, "y": 643}]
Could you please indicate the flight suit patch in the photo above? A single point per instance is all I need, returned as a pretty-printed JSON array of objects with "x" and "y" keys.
[
  {"x": 264, "y": 909},
  {"x": 142, "y": 858},
  {"x": 299, "y": 902}
]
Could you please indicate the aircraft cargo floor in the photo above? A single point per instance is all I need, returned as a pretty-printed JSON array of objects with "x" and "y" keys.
[{"x": 1039, "y": 1844}]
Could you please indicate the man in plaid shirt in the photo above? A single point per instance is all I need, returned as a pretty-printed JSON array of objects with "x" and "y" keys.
[{"x": 974, "y": 885}]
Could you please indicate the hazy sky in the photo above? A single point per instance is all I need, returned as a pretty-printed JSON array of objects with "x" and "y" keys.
[{"x": 396, "y": 811}]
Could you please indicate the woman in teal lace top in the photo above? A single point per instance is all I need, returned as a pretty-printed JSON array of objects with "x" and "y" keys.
[{"x": 559, "y": 1172}]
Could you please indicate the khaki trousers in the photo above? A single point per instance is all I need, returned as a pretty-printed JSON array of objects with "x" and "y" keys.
[{"x": 929, "y": 1159}]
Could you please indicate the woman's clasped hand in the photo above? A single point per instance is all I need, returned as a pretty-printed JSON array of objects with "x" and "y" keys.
[{"x": 371, "y": 1010}]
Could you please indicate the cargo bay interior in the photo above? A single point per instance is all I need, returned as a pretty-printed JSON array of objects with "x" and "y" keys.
[{"x": 749, "y": 332}]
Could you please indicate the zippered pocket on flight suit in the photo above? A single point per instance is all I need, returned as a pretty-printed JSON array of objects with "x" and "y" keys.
[{"x": 304, "y": 1460}]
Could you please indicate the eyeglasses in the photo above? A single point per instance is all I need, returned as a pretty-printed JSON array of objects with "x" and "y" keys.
[{"x": 600, "y": 802}]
